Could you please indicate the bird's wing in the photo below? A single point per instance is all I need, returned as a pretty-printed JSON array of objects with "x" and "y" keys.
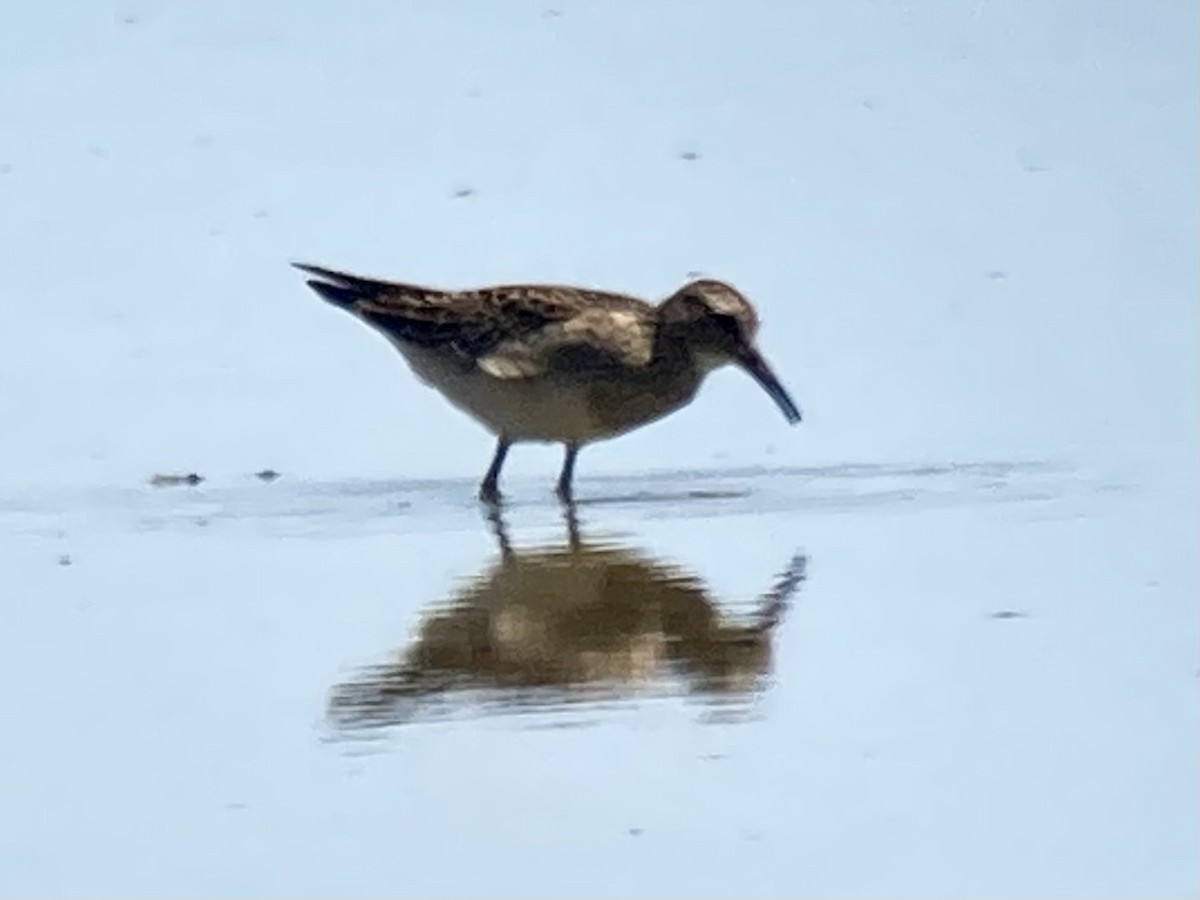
[
  {"x": 448, "y": 320},
  {"x": 594, "y": 340},
  {"x": 511, "y": 332}
]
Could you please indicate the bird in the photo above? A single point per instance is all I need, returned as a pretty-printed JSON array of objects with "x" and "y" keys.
[{"x": 555, "y": 363}]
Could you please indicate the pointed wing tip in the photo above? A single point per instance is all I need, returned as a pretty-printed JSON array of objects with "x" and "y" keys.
[{"x": 319, "y": 271}]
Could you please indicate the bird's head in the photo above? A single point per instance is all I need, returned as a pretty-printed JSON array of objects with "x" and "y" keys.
[{"x": 719, "y": 326}]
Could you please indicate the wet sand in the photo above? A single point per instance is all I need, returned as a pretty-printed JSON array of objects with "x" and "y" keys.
[{"x": 747, "y": 683}]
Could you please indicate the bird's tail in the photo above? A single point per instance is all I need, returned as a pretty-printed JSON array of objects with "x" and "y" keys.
[
  {"x": 341, "y": 288},
  {"x": 405, "y": 312}
]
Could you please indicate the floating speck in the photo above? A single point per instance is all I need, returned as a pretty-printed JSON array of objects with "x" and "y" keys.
[
  {"x": 266, "y": 475},
  {"x": 1009, "y": 614},
  {"x": 997, "y": 275},
  {"x": 1030, "y": 161},
  {"x": 689, "y": 155},
  {"x": 65, "y": 559},
  {"x": 260, "y": 213},
  {"x": 463, "y": 192},
  {"x": 176, "y": 480},
  {"x": 635, "y": 832}
]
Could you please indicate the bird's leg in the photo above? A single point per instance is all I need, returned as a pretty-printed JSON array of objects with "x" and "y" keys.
[
  {"x": 489, "y": 490},
  {"x": 568, "y": 473},
  {"x": 570, "y": 514},
  {"x": 495, "y": 517}
]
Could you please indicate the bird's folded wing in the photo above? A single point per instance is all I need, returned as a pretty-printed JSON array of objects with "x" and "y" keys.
[
  {"x": 470, "y": 323},
  {"x": 510, "y": 332},
  {"x": 594, "y": 341}
]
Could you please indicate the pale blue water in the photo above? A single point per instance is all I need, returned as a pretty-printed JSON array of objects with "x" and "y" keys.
[{"x": 982, "y": 677}]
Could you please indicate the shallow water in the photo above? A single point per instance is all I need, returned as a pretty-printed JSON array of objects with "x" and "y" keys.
[{"x": 733, "y": 682}]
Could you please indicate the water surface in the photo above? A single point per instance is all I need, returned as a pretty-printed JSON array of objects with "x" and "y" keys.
[{"x": 709, "y": 683}]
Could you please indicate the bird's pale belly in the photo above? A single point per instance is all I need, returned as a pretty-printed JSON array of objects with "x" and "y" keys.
[{"x": 556, "y": 408}]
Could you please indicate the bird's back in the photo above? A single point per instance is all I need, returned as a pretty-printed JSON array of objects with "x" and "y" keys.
[
  {"x": 510, "y": 331},
  {"x": 529, "y": 361},
  {"x": 475, "y": 321}
]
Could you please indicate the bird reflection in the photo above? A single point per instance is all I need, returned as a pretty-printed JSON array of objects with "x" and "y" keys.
[{"x": 580, "y": 621}]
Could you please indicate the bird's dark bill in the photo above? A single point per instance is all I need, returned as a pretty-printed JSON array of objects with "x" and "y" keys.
[{"x": 753, "y": 363}]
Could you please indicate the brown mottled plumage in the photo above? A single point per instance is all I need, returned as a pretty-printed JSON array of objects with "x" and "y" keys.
[{"x": 558, "y": 363}]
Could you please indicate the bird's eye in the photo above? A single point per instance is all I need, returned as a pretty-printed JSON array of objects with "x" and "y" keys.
[{"x": 727, "y": 324}]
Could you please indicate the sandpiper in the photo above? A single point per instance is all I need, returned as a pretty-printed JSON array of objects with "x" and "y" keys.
[{"x": 559, "y": 364}]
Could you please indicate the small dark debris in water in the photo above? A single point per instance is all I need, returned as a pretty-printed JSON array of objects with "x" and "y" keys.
[
  {"x": 236, "y": 806},
  {"x": 713, "y": 757},
  {"x": 65, "y": 559},
  {"x": 689, "y": 156},
  {"x": 997, "y": 275},
  {"x": 129, "y": 20},
  {"x": 267, "y": 475},
  {"x": 634, "y": 832},
  {"x": 201, "y": 521},
  {"x": 463, "y": 193},
  {"x": 1009, "y": 614},
  {"x": 1031, "y": 161},
  {"x": 191, "y": 478},
  {"x": 552, "y": 14}
]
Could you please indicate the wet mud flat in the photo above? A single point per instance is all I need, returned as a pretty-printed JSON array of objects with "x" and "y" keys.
[{"x": 727, "y": 682}]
